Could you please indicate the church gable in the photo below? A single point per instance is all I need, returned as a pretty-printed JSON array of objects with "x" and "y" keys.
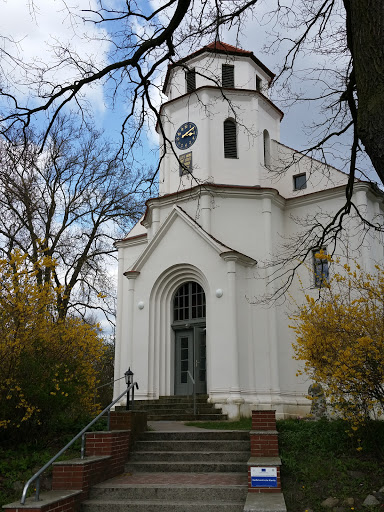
[{"x": 181, "y": 236}]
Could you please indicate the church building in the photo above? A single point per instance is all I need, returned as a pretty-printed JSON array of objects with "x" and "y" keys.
[{"x": 191, "y": 272}]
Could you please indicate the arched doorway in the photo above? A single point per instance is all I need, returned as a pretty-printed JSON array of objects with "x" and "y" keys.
[{"x": 190, "y": 339}]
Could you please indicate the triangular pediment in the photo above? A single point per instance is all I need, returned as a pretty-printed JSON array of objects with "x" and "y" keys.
[{"x": 178, "y": 213}]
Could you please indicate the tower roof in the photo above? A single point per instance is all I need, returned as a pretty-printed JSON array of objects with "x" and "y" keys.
[
  {"x": 221, "y": 48},
  {"x": 219, "y": 45}
]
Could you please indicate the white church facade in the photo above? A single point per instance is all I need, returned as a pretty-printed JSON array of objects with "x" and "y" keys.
[{"x": 191, "y": 271}]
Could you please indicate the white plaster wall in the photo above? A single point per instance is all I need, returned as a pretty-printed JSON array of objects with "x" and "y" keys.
[
  {"x": 208, "y": 110},
  {"x": 208, "y": 72},
  {"x": 286, "y": 163},
  {"x": 245, "y": 223}
]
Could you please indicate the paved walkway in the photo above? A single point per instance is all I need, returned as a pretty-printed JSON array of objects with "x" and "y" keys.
[
  {"x": 179, "y": 479},
  {"x": 173, "y": 426}
]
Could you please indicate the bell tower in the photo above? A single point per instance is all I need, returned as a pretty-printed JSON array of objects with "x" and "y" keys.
[{"x": 218, "y": 118}]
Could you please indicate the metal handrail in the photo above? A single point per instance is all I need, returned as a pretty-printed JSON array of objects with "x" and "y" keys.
[
  {"x": 36, "y": 476},
  {"x": 194, "y": 392},
  {"x": 106, "y": 384}
]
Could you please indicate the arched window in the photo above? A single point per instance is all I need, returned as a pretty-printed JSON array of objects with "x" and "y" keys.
[
  {"x": 189, "y": 302},
  {"x": 230, "y": 139},
  {"x": 267, "y": 148}
]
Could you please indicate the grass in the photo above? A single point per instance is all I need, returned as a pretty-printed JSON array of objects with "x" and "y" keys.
[{"x": 321, "y": 459}]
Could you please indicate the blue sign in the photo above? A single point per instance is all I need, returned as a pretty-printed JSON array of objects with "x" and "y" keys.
[{"x": 263, "y": 477}]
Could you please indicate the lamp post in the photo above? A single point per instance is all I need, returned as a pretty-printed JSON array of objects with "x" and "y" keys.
[{"x": 128, "y": 380}]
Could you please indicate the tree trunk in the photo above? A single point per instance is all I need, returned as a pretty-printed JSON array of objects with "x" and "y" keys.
[{"x": 365, "y": 34}]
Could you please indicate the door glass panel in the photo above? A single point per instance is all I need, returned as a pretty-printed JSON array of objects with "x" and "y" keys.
[
  {"x": 184, "y": 356},
  {"x": 203, "y": 360}
]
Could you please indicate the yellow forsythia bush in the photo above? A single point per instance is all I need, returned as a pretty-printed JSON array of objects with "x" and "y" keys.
[
  {"x": 340, "y": 339},
  {"x": 47, "y": 364}
]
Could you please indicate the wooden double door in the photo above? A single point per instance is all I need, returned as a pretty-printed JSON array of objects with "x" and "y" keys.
[{"x": 190, "y": 360}]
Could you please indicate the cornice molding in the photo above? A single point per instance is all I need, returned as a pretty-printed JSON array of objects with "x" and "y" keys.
[
  {"x": 211, "y": 189},
  {"x": 222, "y": 93}
]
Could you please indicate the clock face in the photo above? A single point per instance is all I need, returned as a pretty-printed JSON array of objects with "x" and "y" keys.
[{"x": 186, "y": 135}]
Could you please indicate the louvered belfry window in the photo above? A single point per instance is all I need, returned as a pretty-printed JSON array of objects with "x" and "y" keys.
[
  {"x": 228, "y": 75},
  {"x": 230, "y": 139},
  {"x": 190, "y": 77}
]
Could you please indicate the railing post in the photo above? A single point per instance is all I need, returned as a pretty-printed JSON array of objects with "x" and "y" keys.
[
  {"x": 82, "y": 451},
  {"x": 193, "y": 391},
  {"x": 37, "y": 495}
]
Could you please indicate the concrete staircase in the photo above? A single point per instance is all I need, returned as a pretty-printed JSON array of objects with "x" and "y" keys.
[
  {"x": 179, "y": 408},
  {"x": 179, "y": 472}
]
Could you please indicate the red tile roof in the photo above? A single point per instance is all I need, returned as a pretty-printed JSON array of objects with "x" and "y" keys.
[{"x": 218, "y": 45}]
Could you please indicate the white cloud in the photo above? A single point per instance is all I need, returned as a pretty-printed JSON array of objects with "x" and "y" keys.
[{"x": 38, "y": 29}]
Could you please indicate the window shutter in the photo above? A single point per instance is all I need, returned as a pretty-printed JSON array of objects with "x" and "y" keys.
[
  {"x": 190, "y": 77},
  {"x": 228, "y": 75},
  {"x": 230, "y": 142}
]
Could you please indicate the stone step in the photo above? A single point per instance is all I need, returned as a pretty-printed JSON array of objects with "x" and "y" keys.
[
  {"x": 189, "y": 456},
  {"x": 179, "y": 406},
  {"x": 169, "y": 492},
  {"x": 185, "y": 467},
  {"x": 193, "y": 445},
  {"x": 171, "y": 403},
  {"x": 199, "y": 435},
  {"x": 170, "y": 399},
  {"x": 265, "y": 502},
  {"x": 186, "y": 417},
  {"x": 162, "y": 506}
]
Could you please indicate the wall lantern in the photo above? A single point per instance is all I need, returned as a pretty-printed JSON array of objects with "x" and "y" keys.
[
  {"x": 128, "y": 380},
  {"x": 219, "y": 293},
  {"x": 140, "y": 305}
]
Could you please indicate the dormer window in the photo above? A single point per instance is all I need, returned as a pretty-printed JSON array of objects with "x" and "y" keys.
[
  {"x": 228, "y": 75},
  {"x": 259, "y": 83},
  {"x": 190, "y": 78},
  {"x": 300, "y": 181}
]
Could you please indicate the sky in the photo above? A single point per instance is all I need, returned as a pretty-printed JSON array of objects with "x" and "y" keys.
[{"x": 37, "y": 26}]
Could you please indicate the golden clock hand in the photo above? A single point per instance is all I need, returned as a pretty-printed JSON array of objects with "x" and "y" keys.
[{"x": 188, "y": 132}]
